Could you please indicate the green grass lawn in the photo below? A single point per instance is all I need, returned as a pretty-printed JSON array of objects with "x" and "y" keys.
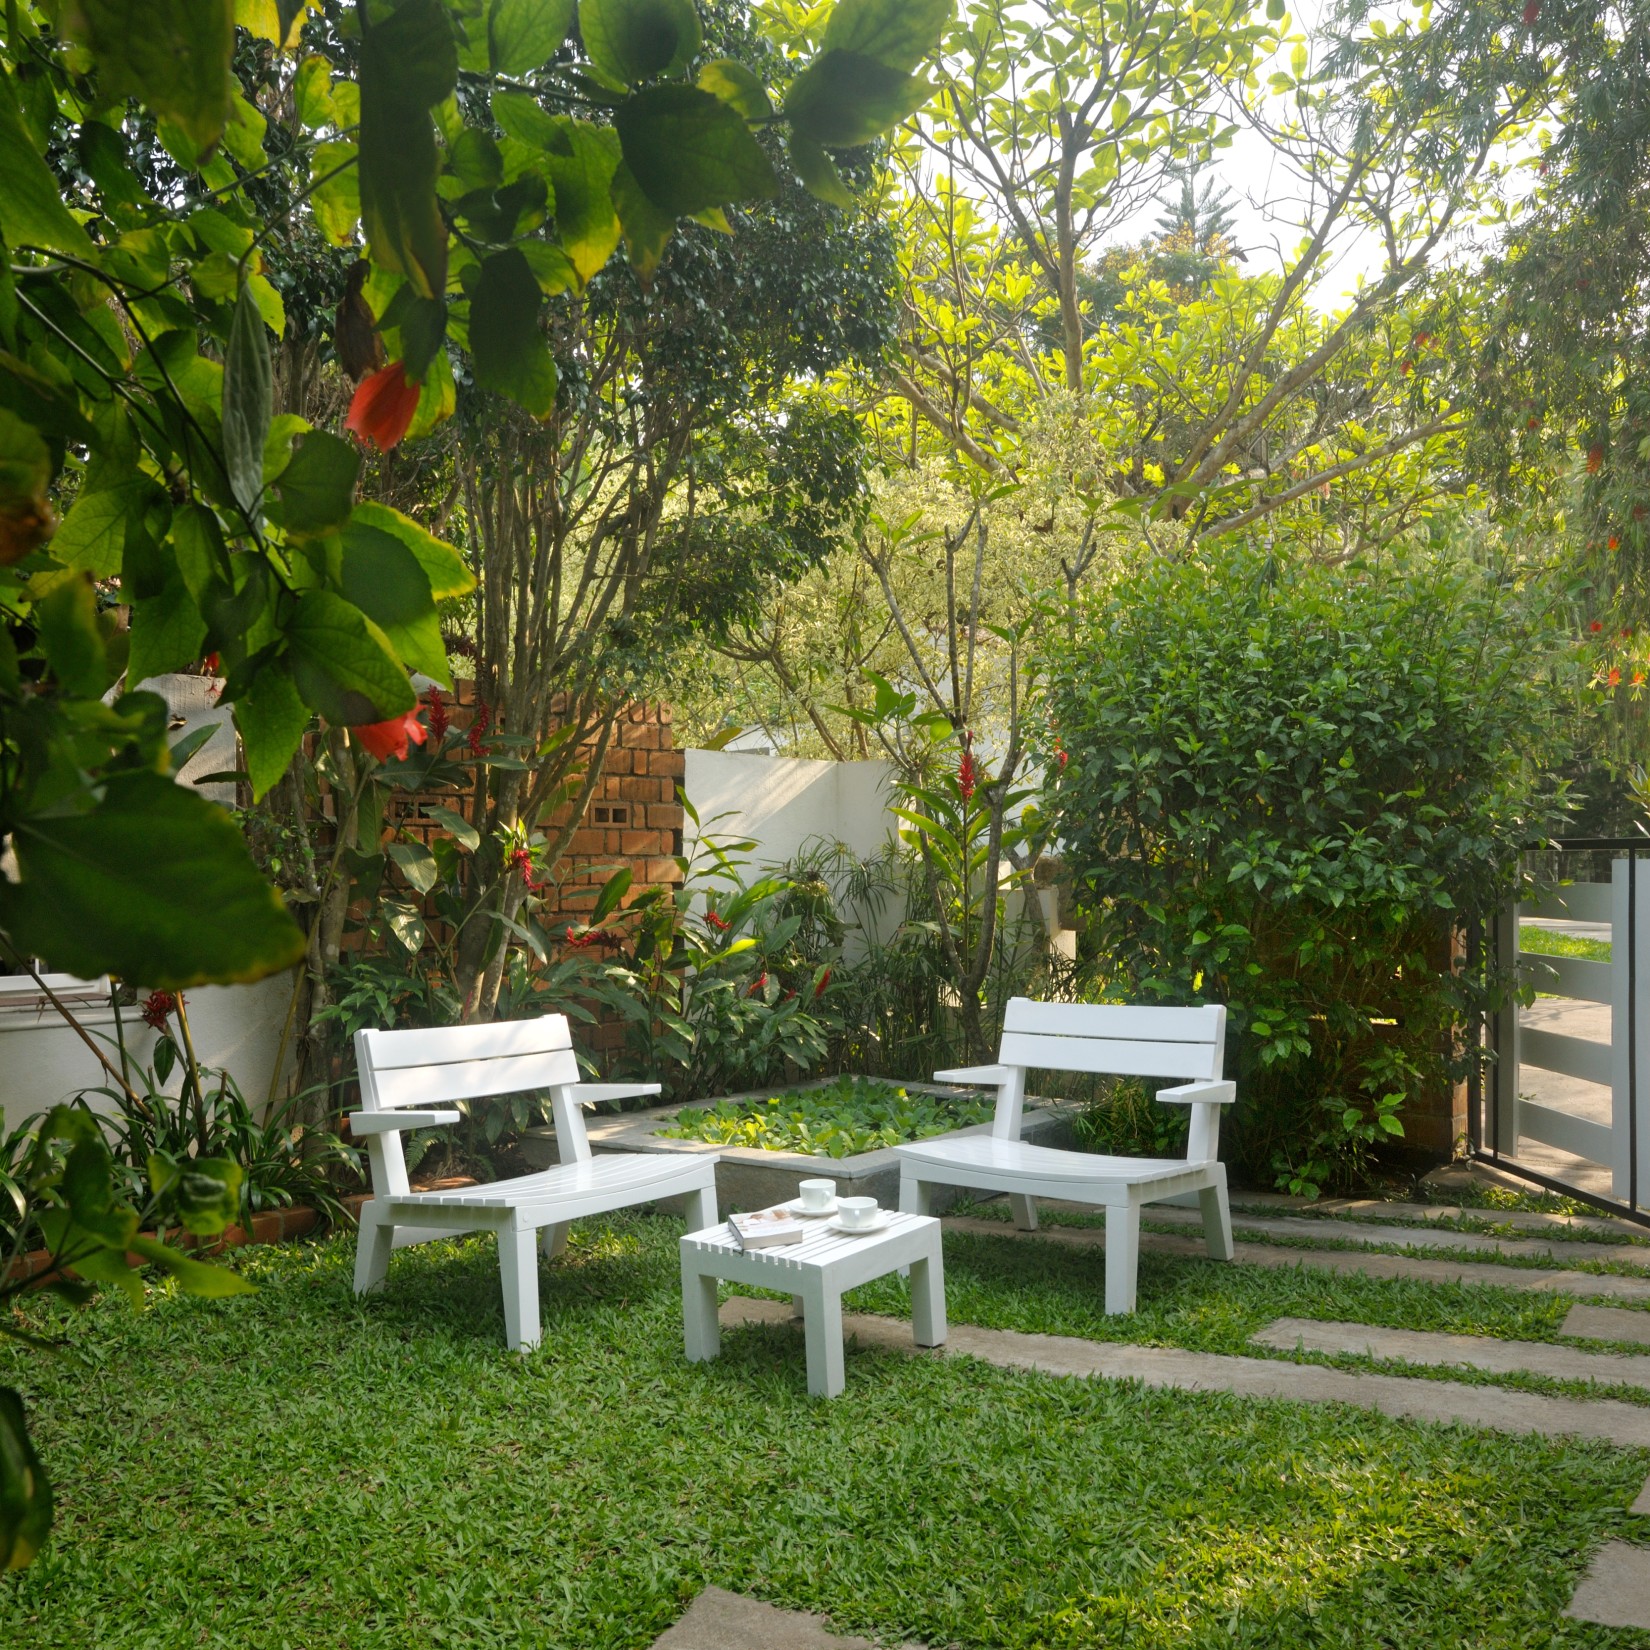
[
  {"x": 300, "y": 1469},
  {"x": 1545, "y": 942}
]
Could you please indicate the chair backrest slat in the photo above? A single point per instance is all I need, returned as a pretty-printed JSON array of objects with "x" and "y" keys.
[
  {"x": 448, "y": 1045},
  {"x": 1126, "y": 1022},
  {"x": 471, "y": 1079}
]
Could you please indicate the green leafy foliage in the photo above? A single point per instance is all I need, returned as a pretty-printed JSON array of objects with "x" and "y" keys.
[
  {"x": 635, "y": 40},
  {"x": 840, "y": 1118},
  {"x": 1289, "y": 799}
]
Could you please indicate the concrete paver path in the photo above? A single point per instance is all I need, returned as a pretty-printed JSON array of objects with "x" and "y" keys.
[{"x": 718, "y": 1620}]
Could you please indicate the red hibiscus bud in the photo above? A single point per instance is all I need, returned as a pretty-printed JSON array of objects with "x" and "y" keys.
[
  {"x": 824, "y": 980},
  {"x": 760, "y": 985},
  {"x": 382, "y": 408},
  {"x": 388, "y": 740}
]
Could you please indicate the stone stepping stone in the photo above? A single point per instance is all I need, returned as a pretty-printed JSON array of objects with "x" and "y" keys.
[
  {"x": 1415, "y": 1237},
  {"x": 1615, "y": 1592},
  {"x": 1607, "y": 1323},
  {"x": 1420, "y": 1268},
  {"x": 1404, "y": 1397},
  {"x": 717, "y": 1620},
  {"x": 1486, "y": 1352}
]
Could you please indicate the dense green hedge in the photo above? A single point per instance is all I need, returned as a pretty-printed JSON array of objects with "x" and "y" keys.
[{"x": 1283, "y": 788}]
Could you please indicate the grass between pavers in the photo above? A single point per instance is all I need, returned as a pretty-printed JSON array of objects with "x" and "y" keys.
[{"x": 300, "y": 1469}]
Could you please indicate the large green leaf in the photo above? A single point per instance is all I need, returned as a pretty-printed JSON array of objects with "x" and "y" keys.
[
  {"x": 66, "y": 619},
  {"x": 272, "y": 718},
  {"x": 25, "y": 1491},
  {"x": 586, "y": 222},
  {"x": 194, "y": 1277},
  {"x": 318, "y": 487},
  {"x": 408, "y": 62},
  {"x": 92, "y": 538},
  {"x": 335, "y": 174},
  {"x": 172, "y": 54},
  {"x": 688, "y": 150},
  {"x": 384, "y": 579},
  {"x": 522, "y": 35},
  {"x": 647, "y": 230},
  {"x": 248, "y": 388},
  {"x": 736, "y": 85},
  {"x": 843, "y": 99},
  {"x": 634, "y": 40},
  {"x": 899, "y": 34},
  {"x": 443, "y": 566},
  {"x": 198, "y": 912},
  {"x": 507, "y": 350},
  {"x": 167, "y": 632},
  {"x": 32, "y": 212},
  {"x": 343, "y": 664},
  {"x": 818, "y": 171}
]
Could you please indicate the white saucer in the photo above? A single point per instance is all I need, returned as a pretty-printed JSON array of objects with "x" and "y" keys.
[
  {"x": 882, "y": 1219},
  {"x": 794, "y": 1207}
]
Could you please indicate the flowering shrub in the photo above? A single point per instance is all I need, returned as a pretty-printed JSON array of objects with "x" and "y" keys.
[{"x": 1286, "y": 790}]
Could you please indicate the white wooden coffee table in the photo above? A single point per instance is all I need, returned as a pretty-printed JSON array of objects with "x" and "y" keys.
[{"x": 815, "y": 1273}]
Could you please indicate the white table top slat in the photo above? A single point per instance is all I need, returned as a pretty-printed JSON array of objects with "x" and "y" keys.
[{"x": 816, "y": 1249}]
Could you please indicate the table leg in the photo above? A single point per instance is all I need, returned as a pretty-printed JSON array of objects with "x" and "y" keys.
[
  {"x": 822, "y": 1327},
  {"x": 928, "y": 1298},
  {"x": 701, "y": 1334}
]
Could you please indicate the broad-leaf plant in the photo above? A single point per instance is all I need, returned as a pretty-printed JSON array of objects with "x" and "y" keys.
[{"x": 155, "y": 510}]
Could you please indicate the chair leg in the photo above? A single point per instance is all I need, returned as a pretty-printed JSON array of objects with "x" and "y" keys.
[
  {"x": 915, "y": 1195},
  {"x": 1217, "y": 1220},
  {"x": 1122, "y": 1256},
  {"x": 1025, "y": 1211},
  {"x": 518, "y": 1267},
  {"x": 702, "y": 1208},
  {"x": 553, "y": 1240},
  {"x": 374, "y": 1239}
]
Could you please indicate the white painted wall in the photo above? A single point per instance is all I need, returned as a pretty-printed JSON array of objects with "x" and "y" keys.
[
  {"x": 43, "y": 1062},
  {"x": 781, "y": 802}
]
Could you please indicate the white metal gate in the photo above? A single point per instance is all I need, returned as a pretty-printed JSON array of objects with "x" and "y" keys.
[{"x": 1563, "y": 1098}]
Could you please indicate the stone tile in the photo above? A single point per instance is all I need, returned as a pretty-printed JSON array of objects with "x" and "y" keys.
[
  {"x": 1607, "y": 1323},
  {"x": 1641, "y": 1503},
  {"x": 1421, "y": 1268},
  {"x": 1615, "y": 1592},
  {"x": 717, "y": 1620},
  {"x": 1408, "y": 1398},
  {"x": 1415, "y": 1237},
  {"x": 1486, "y": 1352}
]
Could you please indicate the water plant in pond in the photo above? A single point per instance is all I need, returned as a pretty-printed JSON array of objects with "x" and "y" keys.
[{"x": 840, "y": 1118}]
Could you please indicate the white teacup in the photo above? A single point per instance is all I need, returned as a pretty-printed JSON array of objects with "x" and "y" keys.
[
  {"x": 816, "y": 1195},
  {"x": 856, "y": 1211}
]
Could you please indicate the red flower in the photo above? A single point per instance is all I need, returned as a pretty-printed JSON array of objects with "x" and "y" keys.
[
  {"x": 1061, "y": 753},
  {"x": 1595, "y": 460},
  {"x": 824, "y": 980},
  {"x": 157, "y": 1007},
  {"x": 211, "y": 663},
  {"x": 968, "y": 775},
  {"x": 437, "y": 707},
  {"x": 761, "y": 985},
  {"x": 388, "y": 741},
  {"x": 478, "y": 728},
  {"x": 1638, "y": 678},
  {"x": 578, "y": 939},
  {"x": 716, "y": 922},
  {"x": 1596, "y": 626},
  {"x": 1614, "y": 543},
  {"x": 1615, "y": 677},
  {"x": 1532, "y": 10},
  {"x": 383, "y": 407},
  {"x": 1534, "y": 423},
  {"x": 521, "y": 859}
]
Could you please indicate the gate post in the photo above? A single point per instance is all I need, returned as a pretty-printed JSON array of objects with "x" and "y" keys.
[
  {"x": 1500, "y": 1127},
  {"x": 1629, "y": 1028}
]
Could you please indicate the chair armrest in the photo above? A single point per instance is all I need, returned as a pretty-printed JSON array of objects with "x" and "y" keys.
[
  {"x": 587, "y": 1094},
  {"x": 1221, "y": 1093},
  {"x": 985, "y": 1077},
  {"x": 387, "y": 1122}
]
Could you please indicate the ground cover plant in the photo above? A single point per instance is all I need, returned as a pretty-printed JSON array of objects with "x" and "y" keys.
[
  {"x": 581, "y": 1496},
  {"x": 840, "y": 1118}
]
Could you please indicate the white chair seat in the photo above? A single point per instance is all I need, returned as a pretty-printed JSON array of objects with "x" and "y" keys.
[
  {"x": 619, "y": 1176},
  {"x": 1046, "y": 1164}
]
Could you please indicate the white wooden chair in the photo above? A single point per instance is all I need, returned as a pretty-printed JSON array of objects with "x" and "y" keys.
[
  {"x": 1116, "y": 1041},
  {"x": 409, "y": 1078}
]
